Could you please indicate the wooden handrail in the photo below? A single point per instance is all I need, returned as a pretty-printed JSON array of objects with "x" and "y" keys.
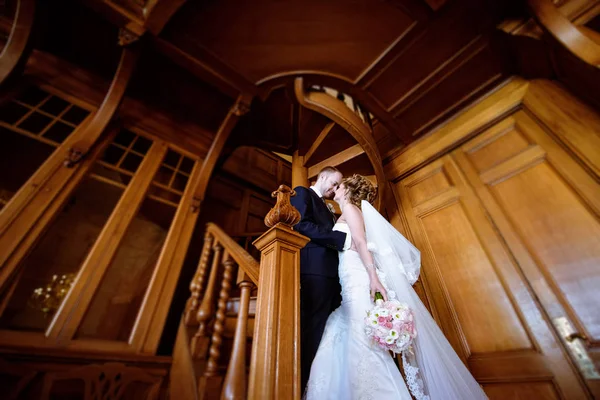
[
  {"x": 565, "y": 32},
  {"x": 241, "y": 256}
]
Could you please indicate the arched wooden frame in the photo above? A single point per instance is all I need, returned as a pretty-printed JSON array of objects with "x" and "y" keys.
[
  {"x": 565, "y": 32},
  {"x": 340, "y": 114},
  {"x": 14, "y": 51},
  {"x": 343, "y": 84}
]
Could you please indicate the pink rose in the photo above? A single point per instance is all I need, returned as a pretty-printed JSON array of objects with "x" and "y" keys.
[
  {"x": 389, "y": 325},
  {"x": 381, "y": 320}
]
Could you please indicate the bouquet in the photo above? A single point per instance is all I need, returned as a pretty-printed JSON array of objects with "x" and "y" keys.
[{"x": 390, "y": 325}]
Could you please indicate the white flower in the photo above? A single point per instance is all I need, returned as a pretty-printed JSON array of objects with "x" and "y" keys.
[
  {"x": 390, "y": 340},
  {"x": 383, "y": 312},
  {"x": 393, "y": 333}
]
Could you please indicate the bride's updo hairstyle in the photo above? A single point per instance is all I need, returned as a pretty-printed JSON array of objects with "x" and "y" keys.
[{"x": 359, "y": 188}]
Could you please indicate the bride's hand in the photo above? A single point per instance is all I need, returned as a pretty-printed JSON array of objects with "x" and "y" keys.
[{"x": 376, "y": 286}]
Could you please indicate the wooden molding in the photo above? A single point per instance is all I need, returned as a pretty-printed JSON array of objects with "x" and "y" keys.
[
  {"x": 337, "y": 159},
  {"x": 340, "y": 114},
  {"x": 14, "y": 52},
  {"x": 495, "y": 105}
]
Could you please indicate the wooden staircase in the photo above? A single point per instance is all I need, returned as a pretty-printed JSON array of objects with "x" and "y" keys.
[{"x": 239, "y": 335}]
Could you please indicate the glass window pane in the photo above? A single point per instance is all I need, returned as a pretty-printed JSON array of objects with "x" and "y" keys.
[
  {"x": 142, "y": 145},
  {"x": 113, "y": 154},
  {"x": 125, "y": 138},
  {"x": 32, "y": 96},
  {"x": 75, "y": 115},
  {"x": 186, "y": 165},
  {"x": 35, "y": 123},
  {"x": 117, "y": 301},
  {"x": 12, "y": 112},
  {"x": 20, "y": 157},
  {"x": 58, "y": 257},
  {"x": 172, "y": 158},
  {"x": 164, "y": 175},
  {"x": 55, "y": 105},
  {"x": 58, "y": 132},
  {"x": 131, "y": 162}
]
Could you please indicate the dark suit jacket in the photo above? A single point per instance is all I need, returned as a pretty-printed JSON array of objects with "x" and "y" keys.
[{"x": 320, "y": 255}]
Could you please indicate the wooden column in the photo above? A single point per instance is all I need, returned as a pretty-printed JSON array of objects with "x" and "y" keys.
[
  {"x": 299, "y": 171},
  {"x": 275, "y": 365}
]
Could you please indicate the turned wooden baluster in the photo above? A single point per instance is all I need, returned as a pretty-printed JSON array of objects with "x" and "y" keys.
[
  {"x": 206, "y": 310},
  {"x": 197, "y": 284},
  {"x": 217, "y": 337},
  {"x": 234, "y": 386}
]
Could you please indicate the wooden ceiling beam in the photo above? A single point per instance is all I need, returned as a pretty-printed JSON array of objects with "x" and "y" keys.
[
  {"x": 318, "y": 141},
  {"x": 335, "y": 160},
  {"x": 222, "y": 77}
]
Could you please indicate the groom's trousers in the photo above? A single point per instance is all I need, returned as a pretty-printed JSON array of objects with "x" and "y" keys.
[{"x": 319, "y": 296}]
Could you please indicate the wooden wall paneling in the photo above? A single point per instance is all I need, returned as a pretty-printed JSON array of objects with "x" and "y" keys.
[
  {"x": 397, "y": 217},
  {"x": 476, "y": 288},
  {"x": 73, "y": 309},
  {"x": 14, "y": 52},
  {"x": 547, "y": 209},
  {"x": 490, "y": 108},
  {"x": 33, "y": 198},
  {"x": 476, "y": 73},
  {"x": 575, "y": 123}
]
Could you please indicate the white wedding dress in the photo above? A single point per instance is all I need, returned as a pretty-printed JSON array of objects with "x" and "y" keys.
[{"x": 348, "y": 366}]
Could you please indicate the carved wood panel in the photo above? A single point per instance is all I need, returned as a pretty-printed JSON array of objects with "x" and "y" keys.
[{"x": 480, "y": 298}]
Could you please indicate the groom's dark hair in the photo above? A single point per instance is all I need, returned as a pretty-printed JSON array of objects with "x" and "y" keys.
[{"x": 328, "y": 170}]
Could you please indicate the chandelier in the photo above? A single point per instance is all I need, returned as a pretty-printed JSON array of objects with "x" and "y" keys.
[{"x": 47, "y": 299}]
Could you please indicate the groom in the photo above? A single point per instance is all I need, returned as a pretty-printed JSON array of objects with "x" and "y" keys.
[{"x": 319, "y": 282}]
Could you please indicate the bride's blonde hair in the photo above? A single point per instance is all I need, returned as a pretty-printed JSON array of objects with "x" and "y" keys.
[{"x": 359, "y": 188}]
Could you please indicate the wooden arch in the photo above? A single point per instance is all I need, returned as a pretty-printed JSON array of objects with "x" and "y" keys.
[
  {"x": 340, "y": 114},
  {"x": 14, "y": 52}
]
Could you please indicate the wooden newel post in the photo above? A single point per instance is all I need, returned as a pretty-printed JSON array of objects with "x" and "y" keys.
[{"x": 275, "y": 364}]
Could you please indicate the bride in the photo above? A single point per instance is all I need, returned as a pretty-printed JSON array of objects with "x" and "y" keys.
[{"x": 380, "y": 259}]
